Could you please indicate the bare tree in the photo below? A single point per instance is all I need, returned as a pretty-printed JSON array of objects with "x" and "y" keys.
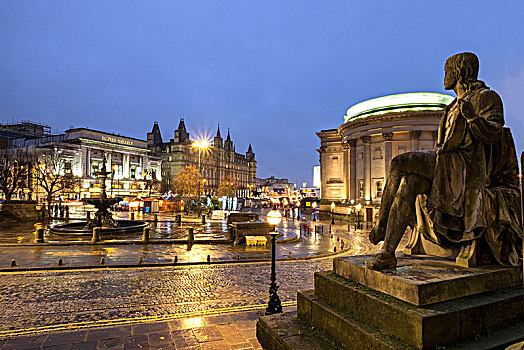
[
  {"x": 53, "y": 173},
  {"x": 15, "y": 170}
]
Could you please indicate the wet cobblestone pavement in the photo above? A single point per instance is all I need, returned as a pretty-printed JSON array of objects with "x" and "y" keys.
[
  {"x": 78, "y": 298},
  {"x": 202, "y": 306}
]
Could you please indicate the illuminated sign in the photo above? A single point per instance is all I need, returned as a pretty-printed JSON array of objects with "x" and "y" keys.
[
  {"x": 416, "y": 101},
  {"x": 115, "y": 140}
]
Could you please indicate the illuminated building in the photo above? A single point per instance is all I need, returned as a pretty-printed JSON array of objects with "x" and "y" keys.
[
  {"x": 273, "y": 187},
  {"x": 82, "y": 149},
  {"x": 218, "y": 161},
  {"x": 355, "y": 157}
]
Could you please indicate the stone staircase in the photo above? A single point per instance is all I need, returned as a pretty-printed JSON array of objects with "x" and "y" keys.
[{"x": 423, "y": 304}]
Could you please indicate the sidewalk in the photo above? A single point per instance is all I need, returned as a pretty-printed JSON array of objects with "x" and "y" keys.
[{"x": 220, "y": 332}]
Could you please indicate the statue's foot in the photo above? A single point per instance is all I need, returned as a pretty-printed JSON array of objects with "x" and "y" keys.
[
  {"x": 377, "y": 235},
  {"x": 382, "y": 261}
]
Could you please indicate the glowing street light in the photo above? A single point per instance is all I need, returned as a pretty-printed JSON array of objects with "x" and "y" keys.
[
  {"x": 273, "y": 306},
  {"x": 201, "y": 145}
]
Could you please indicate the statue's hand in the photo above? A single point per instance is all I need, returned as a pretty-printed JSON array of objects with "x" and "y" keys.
[{"x": 467, "y": 110}]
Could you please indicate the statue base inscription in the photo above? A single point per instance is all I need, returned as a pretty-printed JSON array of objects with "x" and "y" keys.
[{"x": 422, "y": 303}]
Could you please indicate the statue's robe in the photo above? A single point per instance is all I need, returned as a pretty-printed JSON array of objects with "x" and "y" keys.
[{"x": 475, "y": 191}]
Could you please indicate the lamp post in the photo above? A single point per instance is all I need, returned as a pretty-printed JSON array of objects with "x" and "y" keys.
[
  {"x": 332, "y": 213},
  {"x": 358, "y": 207},
  {"x": 298, "y": 210},
  {"x": 203, "y": 144},
  {"x": 273, "y": 306}
]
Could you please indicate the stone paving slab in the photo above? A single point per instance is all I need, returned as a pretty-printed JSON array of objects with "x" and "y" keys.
[{"x": 229, "y": 331}]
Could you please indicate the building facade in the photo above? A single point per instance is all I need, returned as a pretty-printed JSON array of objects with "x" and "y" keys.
[
  {"x": 219, "y": 161},
  {"x": 355, "y": 157},
  {"x": 273, "y": 187},
  {"x": 133, "y": 168}
]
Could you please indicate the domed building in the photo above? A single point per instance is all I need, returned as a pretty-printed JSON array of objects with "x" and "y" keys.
[{"x": 355, "y": 157}]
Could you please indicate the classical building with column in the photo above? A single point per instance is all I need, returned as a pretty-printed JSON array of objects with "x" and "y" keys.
[
  {"x": 132, "y": 166},
  {"x": 355, "y": 157},
  {"x": 217, "y": 162}
]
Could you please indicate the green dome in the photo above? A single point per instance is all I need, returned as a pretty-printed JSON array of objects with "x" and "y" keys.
[{"x": 415, "y": 101}]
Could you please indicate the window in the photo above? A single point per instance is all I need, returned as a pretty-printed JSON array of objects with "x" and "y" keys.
[
  {"x": 361, "y": 188},
  {"x": 94, "y": 167},
  {"x": 378, "y": 153},
  {"x": 360, "y": 155},
  {"x": 335, "y": 160},
  {"x": 378, "y": 189},
  {"x": 132, "y": 172}
]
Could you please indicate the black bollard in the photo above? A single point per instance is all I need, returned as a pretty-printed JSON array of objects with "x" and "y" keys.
[
  {"x": 190, "y": 236},
  {"x": 204, "y": 219},
  {"x": 60, "y": 262},
  {"x": 176, "y": 259},
  {"x": 155, "y": 217},
  {"x": 102, "y": 261},
  {"x": 13, "y": 263},
  {"x": 132, "y": 216},
  {"x": 208, "y": 258},
  {"x": 39, "y": 235},
  {"x": 145, "y": 235},
  {"x": 88, "y": 215},
  {"x": 96, "y": 235},
  {"x": 140, "y": 260}
]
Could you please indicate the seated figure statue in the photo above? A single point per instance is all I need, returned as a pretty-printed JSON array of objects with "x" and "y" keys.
[{"x": 468, "y": 189}]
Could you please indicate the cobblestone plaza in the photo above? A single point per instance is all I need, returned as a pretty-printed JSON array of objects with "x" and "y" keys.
[{"x": 206, "y": 296}]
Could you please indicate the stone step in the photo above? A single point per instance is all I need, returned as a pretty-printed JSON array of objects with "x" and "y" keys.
[
  {"x": 426, "y": 280},
  {"x": 284, "y": 332},
  {"x": 343, "y": 328},
  {"x": 420, "y": 327}
]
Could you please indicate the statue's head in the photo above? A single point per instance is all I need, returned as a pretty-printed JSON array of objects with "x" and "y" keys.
[{"x": 461, "y": 68}]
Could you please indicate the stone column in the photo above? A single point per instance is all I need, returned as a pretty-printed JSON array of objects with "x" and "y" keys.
[
  {"x": 414, "y": 136},
  {"x": 367, "y": 166},
  {"x": 125, "y": 166},
  {"x": 352, "y": 169},
  {"x": 388, "y": 137},
  {"x": 109, "y": 161},
  {"x": 435, "y": 137},
  {"x": 345, "y": 169},
  {"x": 88, "y": 163}
]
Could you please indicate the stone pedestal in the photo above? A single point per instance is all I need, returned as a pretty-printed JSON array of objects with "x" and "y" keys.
[
  {"x": 424, "y": 303},
  {"x": 20, "y": 210},
  {"x": 238, "y": 230}
]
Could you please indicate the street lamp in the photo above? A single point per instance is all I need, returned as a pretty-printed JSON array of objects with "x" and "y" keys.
[
  {"x": 273, "y": 306},
  {"x": 202, "y": 144},
  {"x": 358, "y": 207},
  {"x": 332, "y": 213},
  {"x": 298, "y": 210}
]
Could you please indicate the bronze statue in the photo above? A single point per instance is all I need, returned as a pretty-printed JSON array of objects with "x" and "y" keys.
[{"x": 465, "y": 191}]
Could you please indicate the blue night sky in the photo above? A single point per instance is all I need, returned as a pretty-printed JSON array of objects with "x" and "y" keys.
[{"x": 274, "y": 72}]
